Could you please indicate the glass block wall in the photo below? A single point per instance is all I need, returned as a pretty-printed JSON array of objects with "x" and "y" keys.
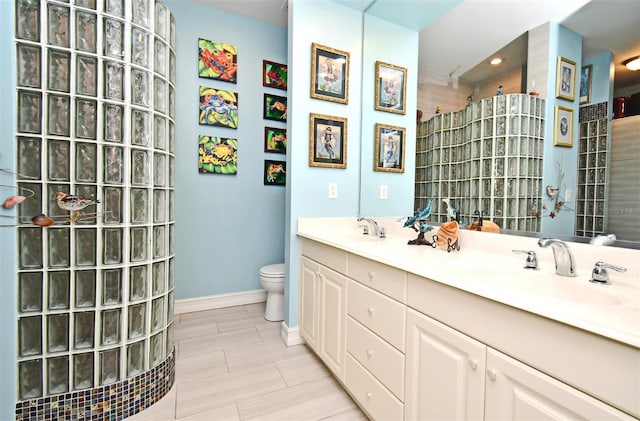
[
  {"x": 96, "y": 106},
  {"x": 485, "y": 158},
  {"x": 593, "y": 164}
]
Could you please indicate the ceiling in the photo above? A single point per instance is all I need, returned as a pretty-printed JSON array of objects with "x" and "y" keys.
[{"x": 463, "y": 47}]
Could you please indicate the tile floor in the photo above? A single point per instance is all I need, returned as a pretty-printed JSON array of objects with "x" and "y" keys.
[{"x": 231, "y": 365}]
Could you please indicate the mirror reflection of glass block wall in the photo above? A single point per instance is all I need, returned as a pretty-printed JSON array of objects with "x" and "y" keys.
[
  {"x": 485, "y": 158},
  {"x": 96, "y": 108}
]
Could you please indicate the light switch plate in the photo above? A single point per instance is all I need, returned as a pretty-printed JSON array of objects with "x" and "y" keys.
[
  {"x": 333, "y": 190},
  {"x": 384, "y": 192}
]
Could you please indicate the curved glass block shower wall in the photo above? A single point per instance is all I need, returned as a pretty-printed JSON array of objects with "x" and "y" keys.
[{"x": 96, "y": 106}]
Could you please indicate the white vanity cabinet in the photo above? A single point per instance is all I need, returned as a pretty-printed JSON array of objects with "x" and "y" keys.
[{"x": 323, "y": 304}]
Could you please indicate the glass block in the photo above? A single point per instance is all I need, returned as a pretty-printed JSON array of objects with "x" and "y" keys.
[
  {"x": 172, "y": 173},
  {"x": 157, "y": 314},
  {"x": 83, "y": 371},
  {"x": 58, "y": 290},
  {"x": 111, "y": 286},
  {"x": 87, "y": 216},
  {"x": 139, "y": 204},
  {"x": 172, "y": 67},
  {"x": 140, "y": 131},
  {"x": 160, "y": 59},
  {"x": 159, "y": 95},
  {"x": 113, "y": 80},
  {"x": 113, "y": 123},
  {"x": 114, "y": 7},
  {"x": 138, "y": 244},
  {"x": 112, "y": 247},
  {"x": 159, "y": 242},
  {"x": 29, "y": 156},
  {"x": 113, "y": 38},
  {"x": 28, "y": 20},
  {"x": 169, "y": 344},
  {"x": 141, "y": 12},
  {"x": 57, "y": 375},
  {"x": 159, "y": 206},
  {"x": 86, "y": 117},
  {"x": 57, "y": 332},
  {"x": 112, "y": 205},
  {"x": 172, "y": 30},
  {"x": 86, "y": 30},
  {"x": 58, "y": 24},
  {"x": 85, "y": 288},
  {"x": 30, "y": 379},
  {"x": 113, "y": 165},
  {"x": 135, "y": 359},
  {"x": 137, "y": 283},
  {"x": 29, "y": 65},
  {"x": 137, "y": 318},
  {"x": 170, "y": 307},
  {"x": 86, "y": 162},
  {"x": 172, "y": 137},
  {"x": 158, "y": 278},
  {"x": 110, "y": 327},
  {"x": 139, "y": 47},
  {"x": 139, "y": 167},
  {"x": 84, "y": 329},
  {"x": 59, "y": 160},
  {"x": 58, "y": 115},
  {"x": 156, "y": 349},
  {"x": 139, "y": 87},
  {"x": 30, "y": 291},
  {"x": 30, "y": 334},
  {"x": 59, "y": 70},
  {"x": 162, "y": 23},
  {"x": 86, "y": 77},
  {"x": 30, "y": 247},
  {"x": 172, "y": 215},
  {"x": 29, "y": 112},
  {"x": 159, "y": 170}
]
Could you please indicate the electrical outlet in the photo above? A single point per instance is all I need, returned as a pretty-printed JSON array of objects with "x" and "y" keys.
[
  {"x": 384, "y": 192},
  {"x": 568, "y": 195},
  {"x": 333, "y": 190}
]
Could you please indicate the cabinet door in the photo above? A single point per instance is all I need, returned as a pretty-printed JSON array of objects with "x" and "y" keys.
[
  {"x": 445, "y": 372},
  {"x": 516, "y": 391},
  {"x": 333, "y": 320},
  {"x": 309, "y": 301}
]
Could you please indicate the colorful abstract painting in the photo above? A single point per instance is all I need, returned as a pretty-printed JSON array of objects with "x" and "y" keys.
[
  {"x": 275, "y": 173},
  {"x": 218, "y": 107},
  {"x": 217, "y": 60},
  {"x": 274, "y": 75},
  {"x": 217, "y": 155}
]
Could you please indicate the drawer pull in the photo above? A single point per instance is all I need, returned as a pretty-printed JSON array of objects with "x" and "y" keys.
[
  {"x": 369, "y": 395},
  {"x": 369, "y": 353},
  {"x": 473, "y": 364},
  {"x": 492, "y": 375},
  {"x": 370, "y": 310},
  {"x": 371, "y": 275}
]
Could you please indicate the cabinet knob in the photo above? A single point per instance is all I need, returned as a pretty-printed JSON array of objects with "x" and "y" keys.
[
  {"x": 371, "y": 275},
  {"x": 369, "y": 353},
  {"x": 473, "y": 364},
  {"x": 370, "y": 310},
  {"x": 492, "y": 375},
  {"x": 369, "y": 395},
  {"x": 318, "y": 274}
]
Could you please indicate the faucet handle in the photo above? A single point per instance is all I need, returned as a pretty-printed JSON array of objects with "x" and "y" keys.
[
  {"x": 532, "y": 259},
  {"x": 599, "y": 273}
]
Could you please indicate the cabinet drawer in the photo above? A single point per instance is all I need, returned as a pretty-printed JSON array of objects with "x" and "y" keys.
[
  {"x": 381, "y": 359},
  {"x": 373, "y": 397},
  {"x": 379, "y": 313},
  {"x": 326, "y": 255},
  {"x": 385, "y": 279}
]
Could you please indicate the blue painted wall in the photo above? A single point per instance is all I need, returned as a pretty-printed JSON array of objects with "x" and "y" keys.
[
  {"x": 8, "y": 262},
  {"x": 227, "y": 226}
]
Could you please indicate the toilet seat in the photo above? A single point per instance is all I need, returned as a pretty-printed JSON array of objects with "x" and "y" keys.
[{"x": 272, "y": 271}]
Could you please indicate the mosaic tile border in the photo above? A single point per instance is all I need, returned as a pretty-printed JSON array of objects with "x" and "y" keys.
[
  {"x": 112, "y": 402},
  {"x": 593, "y": 112}
]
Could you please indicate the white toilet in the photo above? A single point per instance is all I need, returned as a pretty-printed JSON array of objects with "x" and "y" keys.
[{"x": 272, "y": 280}]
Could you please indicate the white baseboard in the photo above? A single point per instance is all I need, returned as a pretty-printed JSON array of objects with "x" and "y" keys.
[
  {"x": 290, "y": 335},
  {"x": 211, "y": 302}
]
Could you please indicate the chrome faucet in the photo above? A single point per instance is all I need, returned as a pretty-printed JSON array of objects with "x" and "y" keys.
[
  {"x": 565, "y": 262},
  {"x": 373, "y": 225}
]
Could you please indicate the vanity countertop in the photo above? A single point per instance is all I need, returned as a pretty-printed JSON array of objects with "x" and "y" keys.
[{"x": 487, "y": 267}]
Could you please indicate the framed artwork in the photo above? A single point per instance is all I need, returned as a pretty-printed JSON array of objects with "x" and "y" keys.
[
  {"x": 217, "y": 60},
  {"x": 275, "y": 173},
  {"x": 275, "y": 140},
  {"x": 329, "y": 74},
  {"x": 585, "y": 84},
  {"x": 327, "y": 141},
  {"x": 274, "y": 75},
  {"x": 274, "y": 107},
  {"x": 563, "y": 129},
  {"x": 389, "y": 148},
  {"x": 218, "y": 108},
  {"x": 391, "y": 88},
  {"x": 217, "y": 155},
  {"x": 566, "y": 79}
]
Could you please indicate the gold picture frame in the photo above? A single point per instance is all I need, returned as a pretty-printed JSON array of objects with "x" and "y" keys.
[
  {"x": 329, "y": 74},
  {"x": 327, "y": 141},
  {"x": 389, "y": 148},
  {"x": 391, "y": 88},
  {"x": 566, "y": 79},
  {"x": 563, "y": 126}
]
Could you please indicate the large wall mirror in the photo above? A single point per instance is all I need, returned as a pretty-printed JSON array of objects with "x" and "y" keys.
[{"x": 455, "y": 60}]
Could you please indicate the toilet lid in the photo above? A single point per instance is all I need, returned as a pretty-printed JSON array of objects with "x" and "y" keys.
[{"x": 273, "y": 271}]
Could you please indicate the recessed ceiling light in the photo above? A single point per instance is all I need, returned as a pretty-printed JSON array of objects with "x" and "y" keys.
[
  {"x": 495, "y": 61},
  {"x": 633, "y": 63}
]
